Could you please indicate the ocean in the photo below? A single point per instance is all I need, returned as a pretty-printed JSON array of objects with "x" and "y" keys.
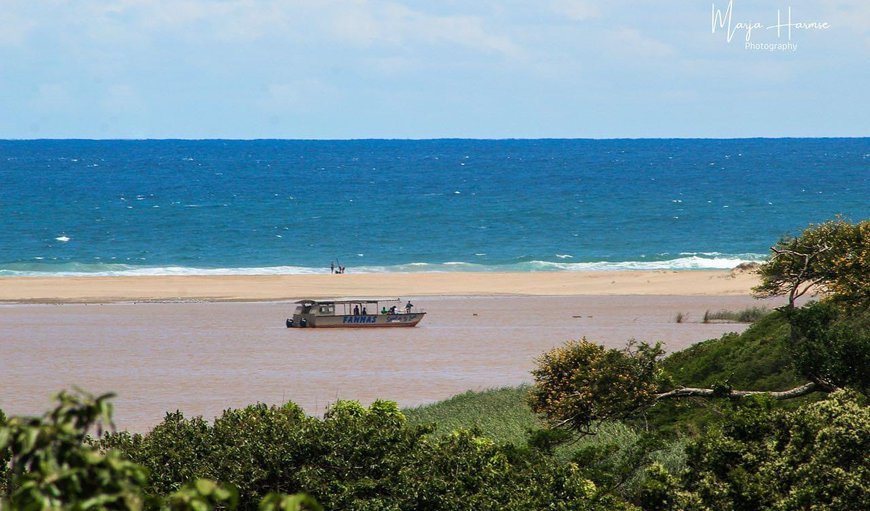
[{"x": 163, "y": 207}]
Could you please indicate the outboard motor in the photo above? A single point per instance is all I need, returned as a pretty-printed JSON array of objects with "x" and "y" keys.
[
  {"x": 289, "y": 322},
  {"x": 303, "y": 322}
]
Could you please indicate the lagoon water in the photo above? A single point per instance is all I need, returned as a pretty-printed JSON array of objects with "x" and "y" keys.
[
  {"x": 202, "y": 358},
  {"x": 272, "y": 206}
]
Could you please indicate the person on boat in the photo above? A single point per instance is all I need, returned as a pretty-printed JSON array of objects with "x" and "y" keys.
[
  {"x": 364, "y": 311},
  {"x": 356, "y": 310},
  {"x": 408, "y": 307},
  {"x": 384, "y": 309}
]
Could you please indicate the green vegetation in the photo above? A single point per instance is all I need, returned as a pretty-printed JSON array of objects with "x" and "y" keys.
[
  {"x": 758, "y": 358},
  {"x": 50, "y": 463},
  {"x": 832, "y": 258},
  {"x": 581, "y": 384},
  {"x": 500, "y": 414},
  {"x": 762, "y": 458},
  {"x": 352, "y": 458},
  {"x": 747, "y": 315}
]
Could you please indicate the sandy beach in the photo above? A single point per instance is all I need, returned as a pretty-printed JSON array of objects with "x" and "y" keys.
[
  {"x": 203, "y": 344},
  {"x": 291, "y": 287}
]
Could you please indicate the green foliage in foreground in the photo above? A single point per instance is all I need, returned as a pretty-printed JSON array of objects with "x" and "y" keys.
[
  {"x": 761, "y": 458},
  {"x": 354, "y": 458},
  {"x": 49, "y": 464},
  {"x": 757, "y": 458}
]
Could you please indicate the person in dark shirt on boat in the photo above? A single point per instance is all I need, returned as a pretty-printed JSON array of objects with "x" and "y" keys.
[
  {"x": 356, "y": 310},
  {"x": 408, "y": 307}
]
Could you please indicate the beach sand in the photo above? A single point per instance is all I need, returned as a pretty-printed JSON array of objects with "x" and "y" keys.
[
  {"x": 202, "y": 357},
  {"x": 287, "y": 287}
]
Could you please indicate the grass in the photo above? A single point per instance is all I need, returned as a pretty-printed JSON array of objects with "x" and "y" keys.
[
  {"x": 501, "y": 414},
  {"x": 747, "y": 315},
  {"x": 504, "y": 416}
]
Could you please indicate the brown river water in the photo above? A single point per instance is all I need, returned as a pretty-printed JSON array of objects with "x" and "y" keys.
[{"x": 201, "y": 358}]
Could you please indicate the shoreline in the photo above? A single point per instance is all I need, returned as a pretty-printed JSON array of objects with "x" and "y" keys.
[{"x": 270, "y": 288}]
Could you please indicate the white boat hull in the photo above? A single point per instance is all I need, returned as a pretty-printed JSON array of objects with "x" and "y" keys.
[{"x": 359, "y": 321}]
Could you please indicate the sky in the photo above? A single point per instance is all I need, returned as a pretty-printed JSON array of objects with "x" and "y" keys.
[{"x": 338, "y": 69}]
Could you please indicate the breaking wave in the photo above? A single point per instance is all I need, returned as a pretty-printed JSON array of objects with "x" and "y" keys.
[{"x": 695, "y": 261}]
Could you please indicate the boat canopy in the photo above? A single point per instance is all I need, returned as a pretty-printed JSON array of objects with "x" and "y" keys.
[{"x": 340, "y": 301}]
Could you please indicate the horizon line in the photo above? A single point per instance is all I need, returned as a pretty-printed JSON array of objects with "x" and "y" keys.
[{"x": 432, "y": 139}]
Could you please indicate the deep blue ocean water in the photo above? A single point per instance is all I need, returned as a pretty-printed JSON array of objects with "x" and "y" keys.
[{"x": 276, "y": 206}]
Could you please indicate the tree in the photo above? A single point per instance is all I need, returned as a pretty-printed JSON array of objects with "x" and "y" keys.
[
  {"x": 832, "y": 258},
  {"x": 581, "y": 383},
  {"x": 355, "y": 457}
]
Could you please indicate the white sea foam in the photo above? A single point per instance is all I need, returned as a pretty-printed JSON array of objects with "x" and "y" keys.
[
  {"x": 681, "y": 263},
  {"x": 63, "y": 238},
  {"x": 713, "y": 261},
  {"x": 119, "y": 270}
]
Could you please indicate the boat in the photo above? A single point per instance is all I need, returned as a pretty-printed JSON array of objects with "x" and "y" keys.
[{"x": 353, "y": 313}]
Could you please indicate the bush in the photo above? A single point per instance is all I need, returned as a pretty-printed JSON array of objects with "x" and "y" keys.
[
  {"x": 762, "y": 458},
  {"x": 53, "y": 464},
  {"x": 355, "y": 458}
]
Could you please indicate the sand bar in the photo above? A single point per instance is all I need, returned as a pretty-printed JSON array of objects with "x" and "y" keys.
[{"x": 287, "y": 287}]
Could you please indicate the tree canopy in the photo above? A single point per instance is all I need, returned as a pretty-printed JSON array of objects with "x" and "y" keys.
[
  {"x": 832, "y": 258},
  {"x": 581, "y": 383}
]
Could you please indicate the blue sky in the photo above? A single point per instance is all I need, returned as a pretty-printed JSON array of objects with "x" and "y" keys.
[{"x": 417, "y": 69}]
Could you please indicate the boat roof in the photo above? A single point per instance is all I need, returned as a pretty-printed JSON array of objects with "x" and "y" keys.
[{"x": 345, "y": 300}]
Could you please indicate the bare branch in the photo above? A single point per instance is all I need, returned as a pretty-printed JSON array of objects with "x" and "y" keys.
[{"x": 803, "y": 390}]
